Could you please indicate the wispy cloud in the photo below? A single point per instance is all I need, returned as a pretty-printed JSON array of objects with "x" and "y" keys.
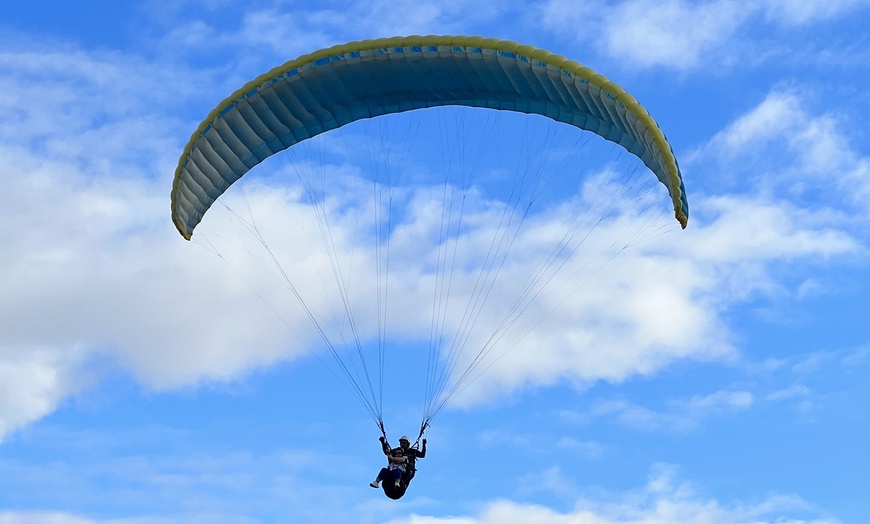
[
  {"x": 857, "y": 357},
  {"x": 664, "y": 500},
  {"x": 804, "y": 380},
  {"x": 800, "y": 13},
  {"x": 680, "y": 34},
  {"x": 681, "y": 415},
  {"x": 791, "y": 149},
  {"x": 34, "y": 380},
  {"x": 188, "y": 481},
  {"x": 532, "y": 443},
  {"x": 789, "y": 393},
  {"x": 286, "y": 33},
  {"x": 551, "y": 481}
]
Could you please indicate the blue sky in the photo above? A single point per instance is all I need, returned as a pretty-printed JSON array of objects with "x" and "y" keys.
[{"x": 716, "y": 374}]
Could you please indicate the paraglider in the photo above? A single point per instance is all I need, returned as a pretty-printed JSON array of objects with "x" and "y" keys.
[
  {"x": 401, "y": 466},
  {"x": 334, "y": 87}
]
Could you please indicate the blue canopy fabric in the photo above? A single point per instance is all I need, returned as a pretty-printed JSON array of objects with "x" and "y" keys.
[{"x": 332, "y": 87}]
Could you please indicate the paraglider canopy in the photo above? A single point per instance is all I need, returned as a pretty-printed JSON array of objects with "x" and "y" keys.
[{"x": 338, "y": 85}]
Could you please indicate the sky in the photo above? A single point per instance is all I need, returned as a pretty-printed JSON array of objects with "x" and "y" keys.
[{"x": 716, "y": 374}]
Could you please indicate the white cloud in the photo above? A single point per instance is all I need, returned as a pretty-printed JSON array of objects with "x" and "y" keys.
[
  {"x": 818, "y": 146},
  {"x": 191, "y": 479},
  {"x": 789, "y": 393},
  {"x": 770, "y": 120},
  {"x": 748, "y": 231},
  {"x": 663, "y": 500},
  {"x": 643, "y": 31},
  {"x": 801, "y": 398},
  {"x": 529, "y": 442},
  {"x": 42, "y": 517},
  {"x": 682, "y": 34},
  {"x": 292, "y": 32},
  {"x": 220, "y": 487},
  {"x": 857, "y": 357},
  {"x": 793, "y": 153},
  {"x": 810, "y": 288},
  {"x": 551, "y": 481},
  {"x": 586, "y": 448},
  {"x": 681, "y": 414},
  {"x": 720, "y": 400},
  {"x": 91, "y": 268},
  {"x": 798, "y": 12},
  {"x": 624, "y": 323},
  {"x": 34, "y": 380}
]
